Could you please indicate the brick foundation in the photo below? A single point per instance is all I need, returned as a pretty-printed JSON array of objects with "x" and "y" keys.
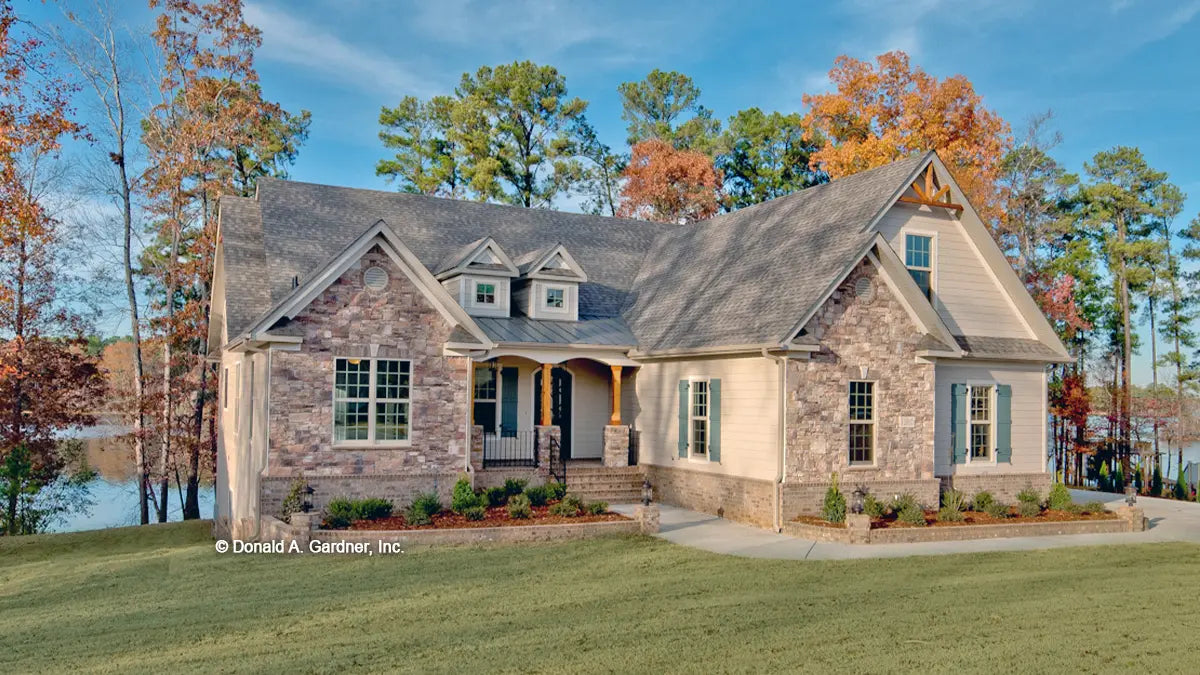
[
  {"x": 743, "y": 499},
  {"x": 1003, "y": 486},
  {"x": 808, "y": 498},
  {"x": 400, "y": 489}
]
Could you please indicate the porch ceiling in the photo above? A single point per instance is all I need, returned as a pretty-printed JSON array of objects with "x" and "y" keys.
[{"x": 552, "y": 355}]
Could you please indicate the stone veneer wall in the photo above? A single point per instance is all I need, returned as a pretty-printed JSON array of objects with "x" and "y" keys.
[
  {"x": 877, "y": 334},
  {"x": 1003, "y": 486},
  {"x": 749, "y": 500},
  {"x": 348, "y": 320}
]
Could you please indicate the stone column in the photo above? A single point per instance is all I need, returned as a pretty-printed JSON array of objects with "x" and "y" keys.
[
  {"x": 1133, "y": 516},
  {"x": 616, "y": 445},
  {"x": 647, "y": 517},
  {"x": 303, "y": 525},
  {"x": 859, "y": 527},
  {"x": 477, "y": 447},
  {"x": 544, "y": 434}
]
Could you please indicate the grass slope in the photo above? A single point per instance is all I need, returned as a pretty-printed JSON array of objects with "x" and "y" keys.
[{"x": 159, "y": 598}]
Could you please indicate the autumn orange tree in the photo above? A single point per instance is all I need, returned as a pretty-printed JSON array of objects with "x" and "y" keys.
[
  {"x": 47, "y": 382},
  {"x": 668, "y": 185},
  {"x": 880, "y": 113}
]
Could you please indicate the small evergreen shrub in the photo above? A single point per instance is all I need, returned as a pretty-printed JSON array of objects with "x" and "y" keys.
[
  {"x": 475, "y": 513},
  {"x": 373, "y": 508},
  {"x": 596, "y": 508},
  {"x": 873, "y": 507},
  {"x": 912, "y": 515},
  {"x": 464, "y": 497},
  {"x": 519, "y": 507},
  {"x": 514, "y": 486},
  {"x": 423, "y": 509},
  {"x": 1181, "y": 490},
  {"x": 564, "y": 508},
  {"x": 1138, "y": 480},
  {"x": 954, "y": 500},
  {"x": 904, "y": 501},
  {"x": 997, "y": 509},
  {"x": 1156, "y": 481},
  {"x": 1028, "y": 496},
  {"x": 292, "y": 501},
  {"x": 1059, "y": 497},
  {"x": 1074, "y": 508},
  {"x": 340, "y": 513},
  {"x": 555, "y": 490},
  {"x": 1094, "y": 507},
  {"x": 950, "y": 515},
  {"x": 1118, "y": 480},
  {"x": 1103, "y": 482},
  {"x": 1027, "y": 509},
  {"x": 495, "y": 496},
  {"x": 834, "y": 508},
  {"x": 537, "y": 495},
  {"x": 983, "y": 500}
]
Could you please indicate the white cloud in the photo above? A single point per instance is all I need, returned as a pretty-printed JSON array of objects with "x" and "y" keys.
[{"x": 291, "y": 40}]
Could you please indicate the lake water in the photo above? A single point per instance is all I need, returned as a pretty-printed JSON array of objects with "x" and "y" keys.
[{"x": 115, "y": 489}]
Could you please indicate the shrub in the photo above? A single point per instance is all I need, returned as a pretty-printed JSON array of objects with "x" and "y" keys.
[
  {"x": 519, "y": 507},
  {"x": 1118, "y": 481},
  {"x": 555, "y": 490},
  {"x": 954, "y": 500},
  {"x": 495, "y": 496},
  {"x": 912, "y": 515},
  {"x": 564, "y": 508},
  {"x": 950, "y": 515},
  {"x": 340, "y": 513},
  {"x": 1138, "y": 480},
  {"x": 1027, "y": 509},
  {"x": 1094, "y": 507},
  {"x": 464, "y": 497},
  {"x": 1059, "y": 498},
  {"x": 983, "y": 500},
  {"x": 1028, "y": 496},
  {"x": 1074, "y": 508},
  {"x": 537, "y": 495},
  {"x": 1156, "y": 481},
  {"x": 596, "y": 508},
  {"x": 423, "y": 509},
  {"x": 873, "y": 507},
  {"x": 904, "y": 501},
  {"x": 1103, "y": 482},
  {"x": 1180, "y": 491},
  {"x": 834, "y": 509},
  {"x": 293, "y": 499},
  {"x": 514, "y": 486},
  {"x": 475, "y": 512},
  {"x": 997, "y": 509},
  {"x": 373, "y": 508}
]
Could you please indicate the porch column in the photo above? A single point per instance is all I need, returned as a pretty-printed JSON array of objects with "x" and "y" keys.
[
  {"x": 616, "y": 396},
  {"x": 546, "y": 385}
]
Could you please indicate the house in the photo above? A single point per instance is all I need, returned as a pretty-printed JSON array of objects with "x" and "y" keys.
[{"x": 384, "y": 344}]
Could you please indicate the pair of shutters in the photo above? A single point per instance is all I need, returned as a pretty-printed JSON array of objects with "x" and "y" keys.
[
  {"x": 960, "y": 428},
  {"x": 714, "y": 419}
]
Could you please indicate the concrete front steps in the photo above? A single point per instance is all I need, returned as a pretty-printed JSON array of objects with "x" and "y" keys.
[{"x": 615, "y": 485}]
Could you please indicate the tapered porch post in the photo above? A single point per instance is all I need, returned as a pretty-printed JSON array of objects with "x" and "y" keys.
[
  {"x": 546, "y": 384},
  {"x": 616, "y": 396}
]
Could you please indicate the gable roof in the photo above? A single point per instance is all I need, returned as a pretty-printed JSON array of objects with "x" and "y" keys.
[
  {"x": 463, "y": 260},
  {"x": 534, "y": 264}
]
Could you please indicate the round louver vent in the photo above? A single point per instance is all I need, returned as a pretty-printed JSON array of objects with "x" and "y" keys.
[
  {"x": 375, "y": 278},
  {"x": 863, "y": 290}
]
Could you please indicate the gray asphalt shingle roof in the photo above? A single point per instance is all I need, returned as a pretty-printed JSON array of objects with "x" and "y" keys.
[
  {"x": 745, "y": 277},
  {"x": 1004, "y": 348}
]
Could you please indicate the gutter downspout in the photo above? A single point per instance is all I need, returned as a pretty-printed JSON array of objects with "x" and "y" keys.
[{"x": 781, "y": 454}]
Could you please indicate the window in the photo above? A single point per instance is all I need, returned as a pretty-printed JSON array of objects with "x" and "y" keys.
[
  {"x": 699, "y": 419},
  {"x": 225, "y": 388},
  {"x": 485, "y": 398},
  {"x": 371, "y": 401},
  {"x": 862, "y": 423},
  {"x": 555, "y": 298},
  {"x": 918, "y": 257},
  {"x": 485, "y": 294},
  {"x": 981, "y": 422}
]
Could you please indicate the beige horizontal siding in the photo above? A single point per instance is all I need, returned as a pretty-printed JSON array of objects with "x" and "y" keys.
[{"x": 1028, "y": 416}]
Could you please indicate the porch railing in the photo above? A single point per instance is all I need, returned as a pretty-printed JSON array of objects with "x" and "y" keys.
[
  {"x": 509, "y": 448},
  {"x": 558, "y": 463}
]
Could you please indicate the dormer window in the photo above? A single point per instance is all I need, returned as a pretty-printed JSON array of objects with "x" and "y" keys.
[
  {"x": 555, "y": 298},
  {"x": 485, "y": 293}
]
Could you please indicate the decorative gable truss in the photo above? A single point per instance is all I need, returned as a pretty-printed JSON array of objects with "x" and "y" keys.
[{"x": 927, "y": 190}]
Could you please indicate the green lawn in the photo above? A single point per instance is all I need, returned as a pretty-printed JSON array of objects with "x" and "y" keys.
[{"x": 161, "y": 599}]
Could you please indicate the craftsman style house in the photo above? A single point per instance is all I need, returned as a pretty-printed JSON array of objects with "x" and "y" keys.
[{"x": 384, "y": 344}]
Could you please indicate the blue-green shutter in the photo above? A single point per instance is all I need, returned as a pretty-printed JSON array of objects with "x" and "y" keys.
[
  {"x": 683, "y": 419},
  {"x": 1004, "y": 423},
  {"x": 508, "y": 402},
  {"x": 714, "y": 420},
  {"x": 958, "y": 423}
]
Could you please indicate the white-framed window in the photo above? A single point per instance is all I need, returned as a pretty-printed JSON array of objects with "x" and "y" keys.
[
  {"x": 862, "y": 423},
  {"x": 981, "y": 439},
  {"x": 485, "y": 293},
  {"x": 556, "y": 298},
  {"x": 225, "y": 388},
  {"x": 698, "y": 427},
  {"x": 918, "y": 258},
  {"x": 371, "y": 401}
]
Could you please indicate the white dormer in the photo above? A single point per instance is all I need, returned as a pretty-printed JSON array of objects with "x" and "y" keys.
[
  {"x": 479, "y": 275},
  {"x": 549, "y": 284}
]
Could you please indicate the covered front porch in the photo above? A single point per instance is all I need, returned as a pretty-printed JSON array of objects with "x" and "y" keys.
[{"x": 585, "y": 405}]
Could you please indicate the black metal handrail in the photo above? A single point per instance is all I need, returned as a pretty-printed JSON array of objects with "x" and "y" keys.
[
  {"x": 558, "y": 463},
  {"x": 509, "y": 448},
  {"x": 635, "y": 444}
]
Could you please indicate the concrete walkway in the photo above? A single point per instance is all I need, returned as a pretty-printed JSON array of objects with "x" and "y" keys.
[{"x": 1169, "y": 521}]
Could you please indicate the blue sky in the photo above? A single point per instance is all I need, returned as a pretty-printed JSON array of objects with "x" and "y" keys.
[{"x": 1115, "y": 72}]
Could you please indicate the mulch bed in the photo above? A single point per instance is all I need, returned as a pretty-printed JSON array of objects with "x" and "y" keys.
[
  {"x": 819, "y": 522},
  {"x": 980, "y": 518},
  {"x": 497, "y": 516}
]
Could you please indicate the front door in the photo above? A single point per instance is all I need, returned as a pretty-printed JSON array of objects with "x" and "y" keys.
[{"x": 560, "y": 405}]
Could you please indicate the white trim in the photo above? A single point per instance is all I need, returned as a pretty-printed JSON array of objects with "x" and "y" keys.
[
  {"x": 370, "y": 443},
  {"x": 874, "y": 422},
  {"x": 691, "y": 441},
  {"x": 535, "y": 270},
  {"x": 992, "y": 423},
  {"x": 933, "y": 256},
  {"x": 463, "y": 264}
]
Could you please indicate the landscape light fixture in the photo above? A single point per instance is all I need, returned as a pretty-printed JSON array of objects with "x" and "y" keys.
[
  {"x": 647, "y": 492},
  {"x": 856, "y": 504},
  {"x": 306, "y": 505}
]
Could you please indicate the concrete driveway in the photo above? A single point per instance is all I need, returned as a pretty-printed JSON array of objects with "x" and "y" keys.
[{"x": 1169, "y": 521}]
